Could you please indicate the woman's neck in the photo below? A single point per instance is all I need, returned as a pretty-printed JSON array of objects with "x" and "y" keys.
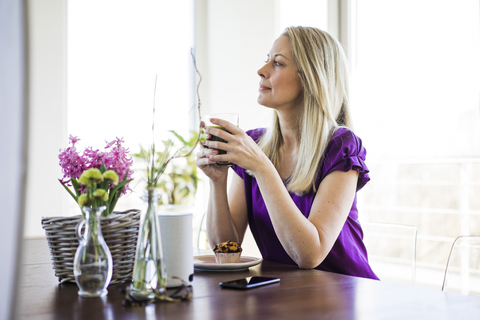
[
  {"x": 289, "y": 126},
  {"x": 288, "y": 153}
]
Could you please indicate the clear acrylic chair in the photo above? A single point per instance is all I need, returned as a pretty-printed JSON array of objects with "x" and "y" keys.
[
  {"x": 202, "y": 241},
  {"x": 391, "y": 251},
  {"x": 462, "y": 272}
]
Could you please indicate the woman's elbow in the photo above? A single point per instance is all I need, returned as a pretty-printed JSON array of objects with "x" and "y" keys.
[{"x": 309, "y": 263}]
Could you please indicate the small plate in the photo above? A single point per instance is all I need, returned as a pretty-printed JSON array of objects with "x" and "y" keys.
[{"x": 208, "y": 263}]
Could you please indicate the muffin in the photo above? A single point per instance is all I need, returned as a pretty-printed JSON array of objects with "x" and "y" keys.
[{"x": 227, "y": 252}]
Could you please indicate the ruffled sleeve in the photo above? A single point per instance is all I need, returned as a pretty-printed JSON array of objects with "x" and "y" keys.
[
  {"x": 255, "y": 134},
  {"x": 345, "y": 152}
]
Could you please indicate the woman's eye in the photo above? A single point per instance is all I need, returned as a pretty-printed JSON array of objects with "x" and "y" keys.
[{"x": 276, "y": 63}]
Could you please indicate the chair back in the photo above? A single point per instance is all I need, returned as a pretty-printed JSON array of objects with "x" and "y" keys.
[
  {"x": 202, "y": 241},
  {"x": 391, "y": 251},
  {"x": 462, "y": 272}
]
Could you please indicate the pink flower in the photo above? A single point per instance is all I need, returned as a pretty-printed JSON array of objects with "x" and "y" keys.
[
  {"x": 115, "y": 158},
  {"x": 73, "y": 139},
  {"x": 95, "y": 158},
  {"x": 71, "y": 162}
]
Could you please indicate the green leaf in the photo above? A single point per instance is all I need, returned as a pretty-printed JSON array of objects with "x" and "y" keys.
[
  {"x": 116, "y": 194},
  {"x": 126, "y": 175},
  {"x": 107, "y": 210},
  {"x": 193, "y": 139},
  {"x": 114, "y": 202},
  {"x": 121, "y": 185},
  {"x": 104, "y": 184},
  {"x": 179, "y": 137},
  {"x": 68, "y": 190},
  {"x": 76, "y": 187}
]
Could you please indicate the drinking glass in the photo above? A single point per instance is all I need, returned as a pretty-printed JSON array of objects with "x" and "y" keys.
[{"x": 230, "y": 117}]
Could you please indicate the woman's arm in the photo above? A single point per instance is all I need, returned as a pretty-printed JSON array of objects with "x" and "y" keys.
[
  {"x": 308, "y": 241},
  {"x": 226, "y": 216},
  {"x": 221, "y": 224}
]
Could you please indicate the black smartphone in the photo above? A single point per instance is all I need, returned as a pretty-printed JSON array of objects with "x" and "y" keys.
[{"x": 250, "y": 282}]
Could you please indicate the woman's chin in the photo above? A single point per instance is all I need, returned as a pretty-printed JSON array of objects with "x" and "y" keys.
[
  {"x": 262, "y": 102},
  {"x": 266, "y": 105}
]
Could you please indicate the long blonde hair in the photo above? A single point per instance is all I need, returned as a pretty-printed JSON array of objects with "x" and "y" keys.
[{"x": 322, "y": 68}]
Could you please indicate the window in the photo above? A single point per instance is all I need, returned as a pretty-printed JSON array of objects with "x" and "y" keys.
[
  {"x": 293, "y": 13},
  {"x": 115, "y": 51},
  {"x": 416, "y": 107}
]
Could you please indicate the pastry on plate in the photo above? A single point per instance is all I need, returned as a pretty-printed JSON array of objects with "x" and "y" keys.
[{"x": 227, "y": 252}]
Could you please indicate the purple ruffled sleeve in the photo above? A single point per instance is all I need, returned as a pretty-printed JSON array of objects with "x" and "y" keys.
[{"x": 345, "y": 152}]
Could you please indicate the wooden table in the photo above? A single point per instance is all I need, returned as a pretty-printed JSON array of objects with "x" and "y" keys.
[{"x": 301, "y": 294}]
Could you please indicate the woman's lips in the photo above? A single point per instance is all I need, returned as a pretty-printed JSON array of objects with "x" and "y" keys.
[{"x": 262, "y": 88}]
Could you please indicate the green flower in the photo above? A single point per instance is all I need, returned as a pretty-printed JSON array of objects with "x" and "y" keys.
[
  {"x": 91, "y": 177},
  {"x": 101, "y": 194},
  {"x": 112, "y": 176},
  {"x": 83, "y": 200}
]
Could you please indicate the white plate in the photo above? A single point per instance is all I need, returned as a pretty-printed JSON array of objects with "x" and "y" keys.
[{"x": 208, "y": 263}]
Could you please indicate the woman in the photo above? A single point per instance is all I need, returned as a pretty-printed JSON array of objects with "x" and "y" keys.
[{"x": 296, "y": 182}]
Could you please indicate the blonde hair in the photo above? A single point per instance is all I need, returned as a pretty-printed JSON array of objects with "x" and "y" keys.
[{"x": 322, "y": 69}]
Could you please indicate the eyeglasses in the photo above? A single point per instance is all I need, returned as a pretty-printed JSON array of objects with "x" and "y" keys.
[{"x": 177, "y": 294}]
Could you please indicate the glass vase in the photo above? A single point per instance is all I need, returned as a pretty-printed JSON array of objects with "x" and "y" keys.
[
  {"x": 149, "y": 272},
  {"x": 93, "y": 263}
]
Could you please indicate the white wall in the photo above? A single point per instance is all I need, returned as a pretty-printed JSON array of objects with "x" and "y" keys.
[
  {"x": 48, "y": 112},
  {"x": 233, "y": 39}
]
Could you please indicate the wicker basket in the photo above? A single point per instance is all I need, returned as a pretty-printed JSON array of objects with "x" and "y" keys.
[{"x": 120, "y": 230}]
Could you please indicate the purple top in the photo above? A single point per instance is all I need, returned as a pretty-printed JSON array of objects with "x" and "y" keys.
[{"x": 348, "y": 255}]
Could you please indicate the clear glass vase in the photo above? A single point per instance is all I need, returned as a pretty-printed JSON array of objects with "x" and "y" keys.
[
  {"x": 93, "y": 263},
  {"x": 149, "y": 272}
]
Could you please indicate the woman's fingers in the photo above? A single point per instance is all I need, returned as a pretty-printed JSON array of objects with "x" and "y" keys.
[
  {"x": 204, "y": 156},
  {"x": 228, "y": 126},
  {"x": 217, "y": 132},
  {"x": 213, "y": 145},
  {"x": 205, "y": 152}
]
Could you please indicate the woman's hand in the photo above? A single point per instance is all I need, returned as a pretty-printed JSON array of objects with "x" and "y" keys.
[
  {"x": 241, "y": 149},
  {"x": 207, "y": 165}
]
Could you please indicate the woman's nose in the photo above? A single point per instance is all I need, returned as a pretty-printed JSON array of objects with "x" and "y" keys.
[{"x": 261, "y": 72}]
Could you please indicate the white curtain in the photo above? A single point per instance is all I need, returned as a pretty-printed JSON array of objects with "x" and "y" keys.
[{"x": 13, "y": 135}]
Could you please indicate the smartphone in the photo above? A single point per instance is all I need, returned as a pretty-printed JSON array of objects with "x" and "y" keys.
[{"x": 250, "y": 282}]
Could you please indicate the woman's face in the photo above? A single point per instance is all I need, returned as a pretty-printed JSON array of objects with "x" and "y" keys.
[{"x": 280, "y": 86}]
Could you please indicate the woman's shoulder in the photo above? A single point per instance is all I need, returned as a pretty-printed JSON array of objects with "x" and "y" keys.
[
  {"x": 345, "y": 152},
  {"x": 342, "y": 147},
  {"x": 343, "y": 132},
  {"x": 256, "y": 134},
  {"x": 344, "y": 137}
]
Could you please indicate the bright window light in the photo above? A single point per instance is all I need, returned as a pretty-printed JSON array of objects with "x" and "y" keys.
[
  {"x": 294, "y": 13},
  {"x": 418, "y": 68},
  {"x": 415, "y": 99},
  {"x": 115, "y": 51}
]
